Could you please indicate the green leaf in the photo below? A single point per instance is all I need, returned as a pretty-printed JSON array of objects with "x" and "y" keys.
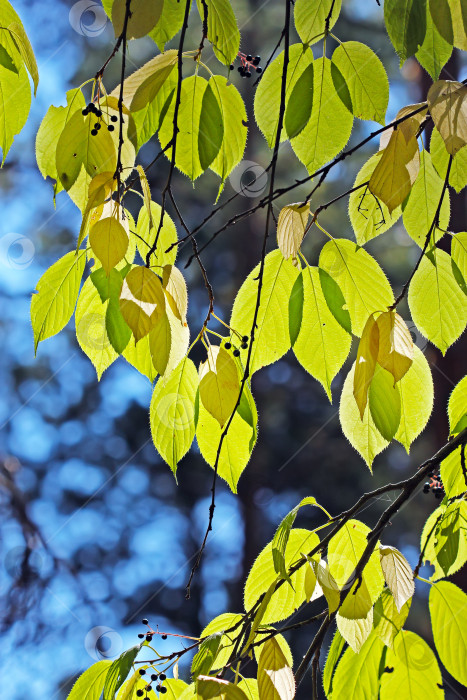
[
  {"x": 436, "y": 303},
  {"x": 395, "y": 347},
  {"x": 234, "y": 117},
  {"x": 119, "y": 670},
  {"x": 141, "y": 20},
  {"x": 236, "y": 447},
  {"x": 23, "y": 44},
  {"x": 137, "y": 354},
  {"x": 328, "y": 129},
  {"x": 151, "y": 78},
  {"x": 385, "y": 403},
  {"x": 172, "y": 413},
  {"x": 440, "y": 159},
  {"x": 272, "y": 338},
  {"x": 250, "y": 688},
  {"x": 168, "y": 342},
  {"x": 457, "y": 407},
  {"x": 142, "y": 300},
  {"x": 387, "y": 620},
  {"x": 90, "y": 684},
  {"x": 363, "y": 435},
  {"x": 335, "y": 300},
  {"x": 453, "y": 475},
  {"x": 169, "y": 23},
  {"x": 391, "y": 179},
  {"x": 365, "y": 364},
  {"x": 222, "y": 29},
  {"x": 209, "y": 688},
  {"x": 57, "y": 292},
  {"x": 219, "y": 385},
  {"x": 416, "y": 397},
  {"x": 77, "y": 148},
  {"x": 310, "y": 19},
  {"x": 167, "y": 236},
  {"x": 282, "y": 534},
  {"x": 357, "y": 675},
  {"x": 397, "y": 574},
  {"x": 355, "y": 632},
  {"x": 109, "y": 242},
  {"x": 322, "y": 345},
  {"x": 187, "y": 157},
  {"x": 211, "y": 129},
  {"x": 344, "y": 552},
  {"x": 369, "y": 216},
  {"x": 275, "y": 678},
  {"x": 448, "y": 612},
  {"x": 296, "y": 309},
  {"x": 444, "y": 539},
  {"x": 366, "y": 80},
  {"x": 406, "y": 25},
  {"x": 459, "y": 259},
  {"x": 262, "y": 574},
  {"x": 436, "y": 50},
  {"x": 204, "y": 659},
  {"x": 416, "y": 674},
  {"x": 268, "y": 94},
  {"x": 299, "y": 103},
  {"x": 220, "y": 624},
  {"x": 15, "y": 102},
  {"x": 440, "y": 12},
  {"x": 422, "y": 204},
  {"x": 459, "y": 23},
  {"x": 334, "y": 654},
  {"x": 91, "y": 330},
  {"x": 360, "y": 278}
]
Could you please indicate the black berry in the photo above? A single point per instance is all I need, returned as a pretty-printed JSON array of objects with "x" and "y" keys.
[
  {"x": 232, "y": 66},
  {"x": 98, "y": 113},
  {"x": 163, "y": 690},
  {"x": 154, "y": 676},
  {"x": 144, "y": 622},
  {"x": 111, "y": 127},
  {"x": 162, "y": 676},
  {"x": 139, "y": 693},
  {"x": 85, "y": 112},
  {"x": 93, "y": 132},
  {"x": 164, "y": 636},
  {"x": 236, "y": 352},
  {"x": 245, "y": 339},
  {"x": 142, "y": 671},
  {"x": 158, "y": 688},
  {"x": 240, "y": 69},
  {"x": 259, "y": 70},
  {"x": 426, "y": 487},
  {"x": 227, "y": 346},
  {"x": 244, "y": 346},
  {"x": 248, "y": 74},
  {"x": 113, "y": 118},
  {"x": 149, "y": 637},
  {"x": 140, "y": 636},
  {"x": 249, "y": 57},
  {"x": 256, "y": 60}
]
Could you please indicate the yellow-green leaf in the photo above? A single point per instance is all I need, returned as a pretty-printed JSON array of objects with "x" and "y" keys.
[
  {"x": 457, "y": 407},
  {"x": 147, "y": 230},
  {"x": 387, "y": 620},
  {"x": 153, "y": 76},
  {"x": 209, "y": 688},
  {"x": 365, "y": 363},
  {"x": 385, "y": 403},
  {"x": 459, "y": 259},
  {"x": 391, "y": 180},
  {"x": 222, "y": 29},
  {"x": 437, "y": 304},
  {"x": 453, "y": 472},
  {"x": 141, "y": 20},
  {"x": 310, "y": 18},
  {"x": 416, "y": 399},
  {"x": 416, "y": 675},
  {"x": 357, "y": 675},
  {"x": 142, "y": 300},
  {"x": 395, "y": 350},
  {"x": 360, "y": 278},
  {"x": 448, "y": 612},
  {"x": 440, "y": 159},
  {"x": 172, "y": 413},
  {"x": 275, "y": 678},
  {"x": 291, "y": 226},
  {"x": 322, "y": 345},
  {"x": 57, "y": 292},
  {"x": 219, "y": 385},
  {"x": 272, "y": 338},
  {"x": 109, "y": 241},
  {"x": 355, "y": 632},
  {"x": 397, "y": 574},
  {"x": 91, "y": 330}
]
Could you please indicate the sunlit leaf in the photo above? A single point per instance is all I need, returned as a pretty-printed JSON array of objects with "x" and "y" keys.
[
  {"x": 275, "y": 678},
  {"x": 448, "y": 612},
  {"x": 141, "y": 300},
  {"x": 397, "y": 574},
  {"x": 222, "y": 29},
  {"x": 90, "y": 684},
  {"x": 165, "y": 237},
  {"x": 447, "y": 101},
  {"x": 219, "y": 385},
  {"x": 395, "y": 349},
  {"x": 310, "y": 20},
  {"x": 385, "y": 403},
  {"x": 457, "y": 407},
  {"x": 357, "y": 675},
  {"x": 291, "y": 226},
  {"x": 416, "y": 399},
  {"x": 415, "y": 673},
  {"x": 387, "y": 620},
  {"x": 141, "y": 20},
  {"x": 365, "y": 363},
  {"x": 406, "y": 25},
  {"x": 355, "y": 632}
]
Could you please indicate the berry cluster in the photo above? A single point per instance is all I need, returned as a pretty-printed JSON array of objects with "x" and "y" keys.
[
  {"x": 92, "y": 109},
  {"x": 435, "y": 485},
  {"x": 160, "y": 677},
  {"x": 244, "y": 345},
  {"x": 249, "y": 64}
]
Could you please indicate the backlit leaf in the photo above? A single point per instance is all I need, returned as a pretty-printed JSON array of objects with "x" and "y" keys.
[
  {"x": 453, "y": 471},
  {"x": 416, "y": 674},
  {"x": 357, "y": 675},
  {"x": 109, "y": 241},
  {"x": 360, "y": 278},
  {"x": 390, "y": 180},
  {"x": 91, "y": 333},
  {"x": 322, "y": 345},
  {"x": 436, "y": 49},
  {"x": 444, "y": 539},
  {"x": 169, "y": 23},
  {"x": 366, "y": 80},
  {"x": 457, "y": 407},
  {"x": 152, "y": 77},
  {"x": 397, "y": 574},
  {"x": 416, "y": 399},
  {"x": 15, "y": 102},
  {"x": 406, "y": 25},
  {"x": 142, "y": 19},
  {"x": 272, "y": 333},
  {"x": 385, "y": 403},
  {"x": 167, "y": 236},
  {"x": 222, "y": 29},
  {"x": 142, "y": 300},
  {"x": 365, "y": 363},
  {"x": 355, "y": 632},
  {"x": 218, "y": 689},
  {"x": 459, "y": 259},
  {"x": 328, "y": 129},
  {"x": 219, "y": 385},
  {"x": 275, "y": 677},
  {"x": 57, "y": 292},
  {"x": 118, "y": 671},
  {"x": 172, "y": 413},
  {"x": 387, "y": 620},
  {"x": 174, "y": 285},
  {"x": 291, "y": 226},
  {"x": 310, "y": 19},
  {"x": 448, "y": 612},
  {"x": 447, "y": 102},
  {"x": 334, "y": 654},
  {"x": 459, "y": 23},
  {"x": 437, "y": 304},
  {"x": 395, "y": 350},
  {"x": 90, "y": 684}
]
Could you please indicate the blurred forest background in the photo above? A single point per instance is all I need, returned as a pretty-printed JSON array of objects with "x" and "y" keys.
[{"x": 95, "y": 533}]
